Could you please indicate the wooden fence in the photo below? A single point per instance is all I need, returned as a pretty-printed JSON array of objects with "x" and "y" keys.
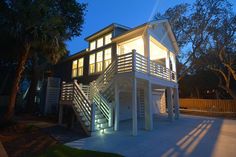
[{"x": 210, "y": 105}]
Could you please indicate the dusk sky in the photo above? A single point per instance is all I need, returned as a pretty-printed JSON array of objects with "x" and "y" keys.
[{"x": 126, "y": 12}]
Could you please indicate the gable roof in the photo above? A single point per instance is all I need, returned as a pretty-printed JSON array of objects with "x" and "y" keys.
[
  {"x": 106, "y": 30},
  {"x": 145, "y": 25}
]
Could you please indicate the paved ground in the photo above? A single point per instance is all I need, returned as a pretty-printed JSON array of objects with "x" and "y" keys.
[
  {"x": 188, "y": 136},
  {"x": 64, "y": 135}
]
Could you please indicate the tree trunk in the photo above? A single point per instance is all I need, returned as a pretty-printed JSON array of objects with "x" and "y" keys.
[
  {"x": 15, "y": 86},
  {"x": 30, "y": 105}
]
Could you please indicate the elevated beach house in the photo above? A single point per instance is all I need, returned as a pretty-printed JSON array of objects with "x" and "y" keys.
[{"x": 125, "y": 73}]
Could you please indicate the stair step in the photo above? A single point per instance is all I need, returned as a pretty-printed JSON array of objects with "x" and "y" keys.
[
  {"x": 102, "y": 125},
  {"x": 98, "y": 112},
  {"x": 99, "y": 116},
  {"x": 101, "y": 120},
  {"x": 109, "y": 129}
]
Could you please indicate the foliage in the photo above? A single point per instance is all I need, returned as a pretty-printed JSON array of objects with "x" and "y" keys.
[
  {"x": 37, "y": 27},
  {"x": 206, "y": 33}
]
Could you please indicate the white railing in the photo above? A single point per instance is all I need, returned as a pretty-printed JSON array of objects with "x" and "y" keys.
[
  {"x": 67, "y": 91},
  {"x": 102, "y": 83},
  {"x": 83, "y": 106},
  {"x": 86, "y": 90},
  {"x": 80, "y": 103},
  {"x": 133, "y": 61},
  {"x": 105, "y": 79}
]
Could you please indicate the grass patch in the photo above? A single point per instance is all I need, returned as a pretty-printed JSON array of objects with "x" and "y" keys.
[{"x": 65, "y": 151}]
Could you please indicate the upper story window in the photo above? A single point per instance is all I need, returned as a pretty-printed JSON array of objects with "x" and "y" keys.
[
  {"x": 99, "y": 61},
  {"x": 80, "y": 66},
  {"x": 100, "y": 42},
  {"x": 108, "y": 39},
  {"x": 92, "y": 45},
  {"x": 74, "y": 68},
  {"x": 92, "y": 63},
  {"x": 107, "y": 57}
]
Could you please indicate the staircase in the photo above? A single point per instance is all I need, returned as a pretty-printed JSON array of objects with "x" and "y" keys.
[{"x": 92, "y": 103}]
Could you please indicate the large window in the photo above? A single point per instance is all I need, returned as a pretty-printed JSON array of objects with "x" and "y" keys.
[
  {"x": 92, "y": 45},
  {"x": 107, "y": 57},
  {"x": 80, "y": 66},
  {"x": 108, "y": 39},
  {"x": 128, "y": 46},
  {"x": 100, "y": 42},
  {"x": 157, "y": 53},
  {"x": 92, "y": 63},
  {"x": 99, "y": 61},
  {"x": 74, "y": 68}
]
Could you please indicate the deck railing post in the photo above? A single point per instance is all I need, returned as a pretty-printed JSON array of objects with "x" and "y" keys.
[
  {"x": 133, "y": 60},
  {"x": 148, "y": 66},
  {"x": 73, "y": 91}
]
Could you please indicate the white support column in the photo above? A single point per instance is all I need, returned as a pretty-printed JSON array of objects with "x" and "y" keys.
[
  {"x": 110, "y": 115},
  {"x": 148, "y": 107},
  {"x": 176, "y": 102},
  {"x": 117, "y": 106},
  {"x": 134, "y": 107},
  {"x": 146, "y": 41},
  {"x": 168, "y": 65},
  {"x": 170, "y": 103},
  {"x": 93, "y": 117}
]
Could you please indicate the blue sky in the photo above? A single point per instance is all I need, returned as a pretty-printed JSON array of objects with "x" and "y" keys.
[{"x": 127, "y": 12}]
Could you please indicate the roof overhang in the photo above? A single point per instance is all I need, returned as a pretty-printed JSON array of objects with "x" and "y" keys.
[
  {"x": 105, "y": 30},
  {"x": 137, "y": 31},
  {"x": 169, "y": 31},
  {"x": 140, "y": 30}
]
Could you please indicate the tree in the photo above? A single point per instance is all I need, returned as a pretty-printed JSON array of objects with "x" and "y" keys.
[
  {"x": 38, "y": 24},
  {"x": 194, "y": 26}
]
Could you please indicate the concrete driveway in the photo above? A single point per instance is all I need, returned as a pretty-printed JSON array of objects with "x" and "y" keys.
[{"x": 189, "y": 136}]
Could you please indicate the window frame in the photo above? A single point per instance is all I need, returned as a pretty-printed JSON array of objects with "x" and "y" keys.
[
  {"x": 99, "y": 63},
  {"x": 105, "y": 38},
  {"x": 94, "y": 64},
  {"x": 74, "y": 68},
  {"x": 95, "y": 45},
  {"x": 109, "y": 59},
  {"x": 102, "y": 41},
  {"x": 80, "y": 67}
]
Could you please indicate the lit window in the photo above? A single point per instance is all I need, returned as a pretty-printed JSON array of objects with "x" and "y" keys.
[
  {"x": 80, "y": 66},
  {"x": 99, "y": 61},
  {"x": 108, "y": 39},
  {"x": 74, "y": 68},
  {"x": 92, "y": 63},
  {"x": 92, "y": 45},
  {"x": 100, "y": 42},
  {"x": 107, "y": 57}
]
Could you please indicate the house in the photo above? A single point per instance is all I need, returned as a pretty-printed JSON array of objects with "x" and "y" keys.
[{"x": 125, "y": 73}]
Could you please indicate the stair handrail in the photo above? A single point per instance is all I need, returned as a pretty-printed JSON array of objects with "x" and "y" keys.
[
  {"x": 106, "y": 76},
  {"x": 101, "y": 102},
  {"x": 84, "y": 105},
  {"x": 97, "y": 87}
]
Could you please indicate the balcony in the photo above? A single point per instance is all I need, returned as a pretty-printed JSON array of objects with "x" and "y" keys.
[{"x": 134, "y": 62}]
